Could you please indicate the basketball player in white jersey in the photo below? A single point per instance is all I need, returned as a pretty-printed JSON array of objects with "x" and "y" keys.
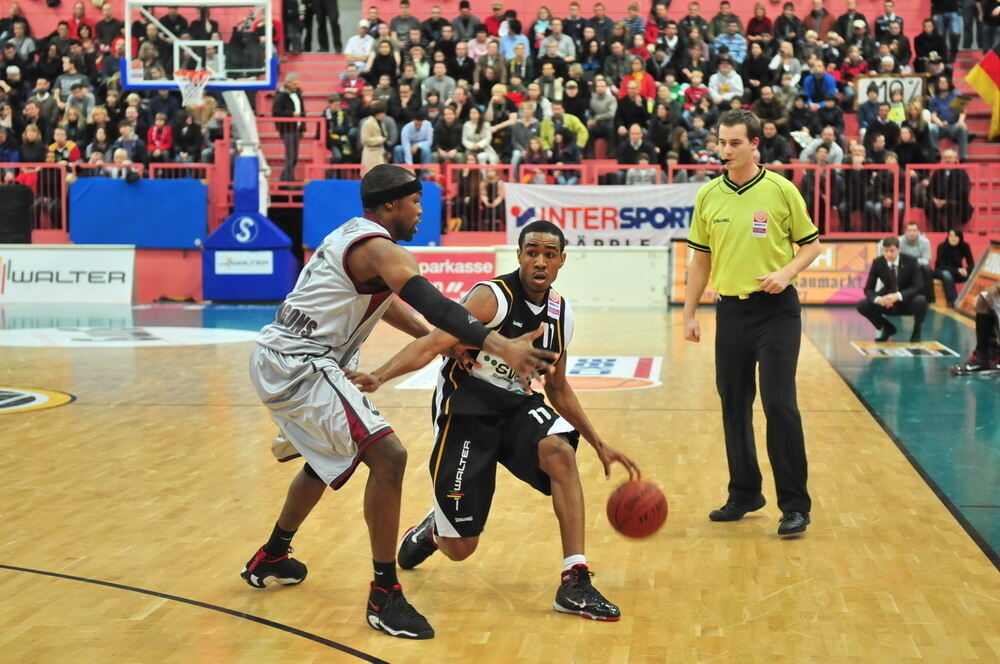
[
  {"x": 298, "y": 369},
  {"x": 487, "y": 416}
]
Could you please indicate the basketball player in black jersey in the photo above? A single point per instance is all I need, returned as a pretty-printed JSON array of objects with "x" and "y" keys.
[{"x": 486, "y": 416}]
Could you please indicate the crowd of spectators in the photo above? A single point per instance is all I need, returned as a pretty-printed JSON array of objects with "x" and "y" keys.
[
  {"x": 62, "y": 100},
  {"x": 649, "y": 87},
  {"x": 645, "y": 88}
]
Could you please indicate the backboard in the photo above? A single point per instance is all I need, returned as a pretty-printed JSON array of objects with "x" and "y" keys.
[{"x": 233, "y": 39}]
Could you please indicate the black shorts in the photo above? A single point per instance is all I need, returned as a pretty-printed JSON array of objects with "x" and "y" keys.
[{"x": 468, "y": 447}]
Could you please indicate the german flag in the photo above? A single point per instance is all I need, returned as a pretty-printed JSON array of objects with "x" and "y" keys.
[{"x": 985, "y": 79}]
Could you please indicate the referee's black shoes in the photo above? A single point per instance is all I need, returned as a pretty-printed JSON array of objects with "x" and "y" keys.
[
  {"x": 733, "y": 511},
  {"x": 793, "y": 523}
]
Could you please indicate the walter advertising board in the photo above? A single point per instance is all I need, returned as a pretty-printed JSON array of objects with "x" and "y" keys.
[
  {"x": 66, "y": 273},
  {"x": 610, "y": 215}
]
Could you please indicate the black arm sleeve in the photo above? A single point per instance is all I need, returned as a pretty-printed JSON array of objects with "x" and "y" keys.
[{"x": 442, "y": 312}]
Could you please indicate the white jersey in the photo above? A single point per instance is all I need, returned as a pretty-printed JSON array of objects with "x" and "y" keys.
[{"x": 328, "y": 312}]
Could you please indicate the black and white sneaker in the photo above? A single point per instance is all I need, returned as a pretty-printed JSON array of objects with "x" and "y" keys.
[
  {"x": 417, "y": 543},
  {"x": 970, "y": 367},
  {"x": 577, "y": 595},
  {"x": 263, "y": 569},
  {"x": 389, "y": 612}
]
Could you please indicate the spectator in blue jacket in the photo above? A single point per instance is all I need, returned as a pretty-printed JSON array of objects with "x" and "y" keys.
[
  {"x": 868, "y": 110},
  {"x": 818, "y": 86},
  {"x": 946, "y": 121},
  {"x": 733, "y": 41},
  {"x": 415, "y": 141},
  {"x": 8, "y": 152}
]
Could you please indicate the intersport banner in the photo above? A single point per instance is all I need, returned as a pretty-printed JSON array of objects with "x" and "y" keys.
[{"x": 605, "y": 215}]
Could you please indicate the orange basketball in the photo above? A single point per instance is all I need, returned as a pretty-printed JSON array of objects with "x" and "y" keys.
[{"x": 637, "y": 509}]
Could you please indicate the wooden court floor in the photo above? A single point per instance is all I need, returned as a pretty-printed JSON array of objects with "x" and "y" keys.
[{"x": 159, "y": 478}]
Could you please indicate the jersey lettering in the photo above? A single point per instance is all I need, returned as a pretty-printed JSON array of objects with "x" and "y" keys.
[
  {"x": 540, "y": 414},
  {"x": 294, "y": 321},
  {"x": 328, "y": 313},
  {"x": 494, "y": 386}
]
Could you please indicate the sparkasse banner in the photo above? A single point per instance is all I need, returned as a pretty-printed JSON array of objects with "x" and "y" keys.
[
  {"x": 455, "y": 271},
  {"x": 605, "y": 215},
  {"x": 66, "y": 273}
]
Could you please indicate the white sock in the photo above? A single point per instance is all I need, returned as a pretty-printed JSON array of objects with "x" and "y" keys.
[{"x": 575, "y": 559}]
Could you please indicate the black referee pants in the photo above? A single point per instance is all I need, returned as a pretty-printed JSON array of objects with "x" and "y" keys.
[{"x": 762, "y": 330}]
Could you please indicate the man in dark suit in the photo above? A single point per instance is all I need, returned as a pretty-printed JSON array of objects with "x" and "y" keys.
[
  {"x": 901, "y": 292},
  {"x": 288, "y": 104},
  {"x": 949, "y": 195}
]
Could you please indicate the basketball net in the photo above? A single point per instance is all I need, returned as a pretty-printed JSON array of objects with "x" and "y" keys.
[{"x": 192, "y": 84}]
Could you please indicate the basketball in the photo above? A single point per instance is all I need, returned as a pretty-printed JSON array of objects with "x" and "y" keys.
[{"x": 637, "y": 509}]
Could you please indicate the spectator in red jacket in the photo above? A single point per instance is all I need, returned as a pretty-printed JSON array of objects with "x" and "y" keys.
[
  {"x": 638, "y": 73},
  {"x": 64, "y": 149},
  {"x": 760, "y": 25},
  {"x": 78, "y": 19},
  {"x": 493, "y": 21},
  {"x": 160, "y": 139}
]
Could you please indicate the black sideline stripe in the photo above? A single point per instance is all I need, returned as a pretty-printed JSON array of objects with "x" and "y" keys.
[{"x": 212, "y": 607}]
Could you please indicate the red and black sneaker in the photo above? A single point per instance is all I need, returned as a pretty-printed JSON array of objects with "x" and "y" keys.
[
  {"x": 577, "y": 595},
  {"x": 389, "y": 612},
  {"x": 263, "y": 569}
]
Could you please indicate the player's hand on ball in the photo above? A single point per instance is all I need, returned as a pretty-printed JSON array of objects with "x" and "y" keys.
[
  {"x": 363, "y": 381},
  {"x": 609, "y": 455},
  {"x": 692, "y": 330}
]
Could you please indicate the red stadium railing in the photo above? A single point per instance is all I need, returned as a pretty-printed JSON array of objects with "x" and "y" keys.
[
  {"x": 600, "y": 170},
  {"x": 924, "y": 183},
  {"x": 464, "y": 207},
  {"x": 288, "y": 194},
  {"x": 838, "y": 207},
  {"x": 803, "y": 175},
  {"x": 88, "y": 170},
  {"x": 564, "y": 174},
  {"x": 860, "y": 199},
  {"x": 312, "y": 148}
]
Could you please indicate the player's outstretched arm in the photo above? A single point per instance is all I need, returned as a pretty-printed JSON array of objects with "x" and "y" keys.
[
  {"x": 564, "y": 400},
  {"x": 415, "y": 355},
  {"x": 381, "y": 260},
  {"x": 403, "y": 319},
  {"x": 481, "y": 305}
]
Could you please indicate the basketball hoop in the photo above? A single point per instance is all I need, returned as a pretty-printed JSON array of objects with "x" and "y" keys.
[{"x": 192, "y": 84}]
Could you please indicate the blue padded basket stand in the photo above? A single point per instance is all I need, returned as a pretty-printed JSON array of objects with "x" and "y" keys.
[{"x": 247, "y": 258}]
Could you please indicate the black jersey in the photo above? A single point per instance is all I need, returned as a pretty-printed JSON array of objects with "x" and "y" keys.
[{"x": 494, "y": 388}]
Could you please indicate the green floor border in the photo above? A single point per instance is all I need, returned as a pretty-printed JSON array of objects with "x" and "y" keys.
[{"x": 990, "y": 549}]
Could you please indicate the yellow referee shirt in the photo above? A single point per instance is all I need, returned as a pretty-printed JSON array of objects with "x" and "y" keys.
[{"x": 749, "y": 229}]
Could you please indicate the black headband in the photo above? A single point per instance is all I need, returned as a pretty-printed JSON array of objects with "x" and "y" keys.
[{"x": 377, "y": 198}]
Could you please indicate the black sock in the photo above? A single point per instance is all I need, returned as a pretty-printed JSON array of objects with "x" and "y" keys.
[
  {"x": 385, "y": 574},
  {"x": 280, "y": 540}
]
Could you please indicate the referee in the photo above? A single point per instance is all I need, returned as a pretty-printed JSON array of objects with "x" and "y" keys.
[{"x": 743, "y": 230}]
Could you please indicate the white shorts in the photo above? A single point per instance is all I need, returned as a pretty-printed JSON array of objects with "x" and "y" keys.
[{"x": 328, "y": 420}]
